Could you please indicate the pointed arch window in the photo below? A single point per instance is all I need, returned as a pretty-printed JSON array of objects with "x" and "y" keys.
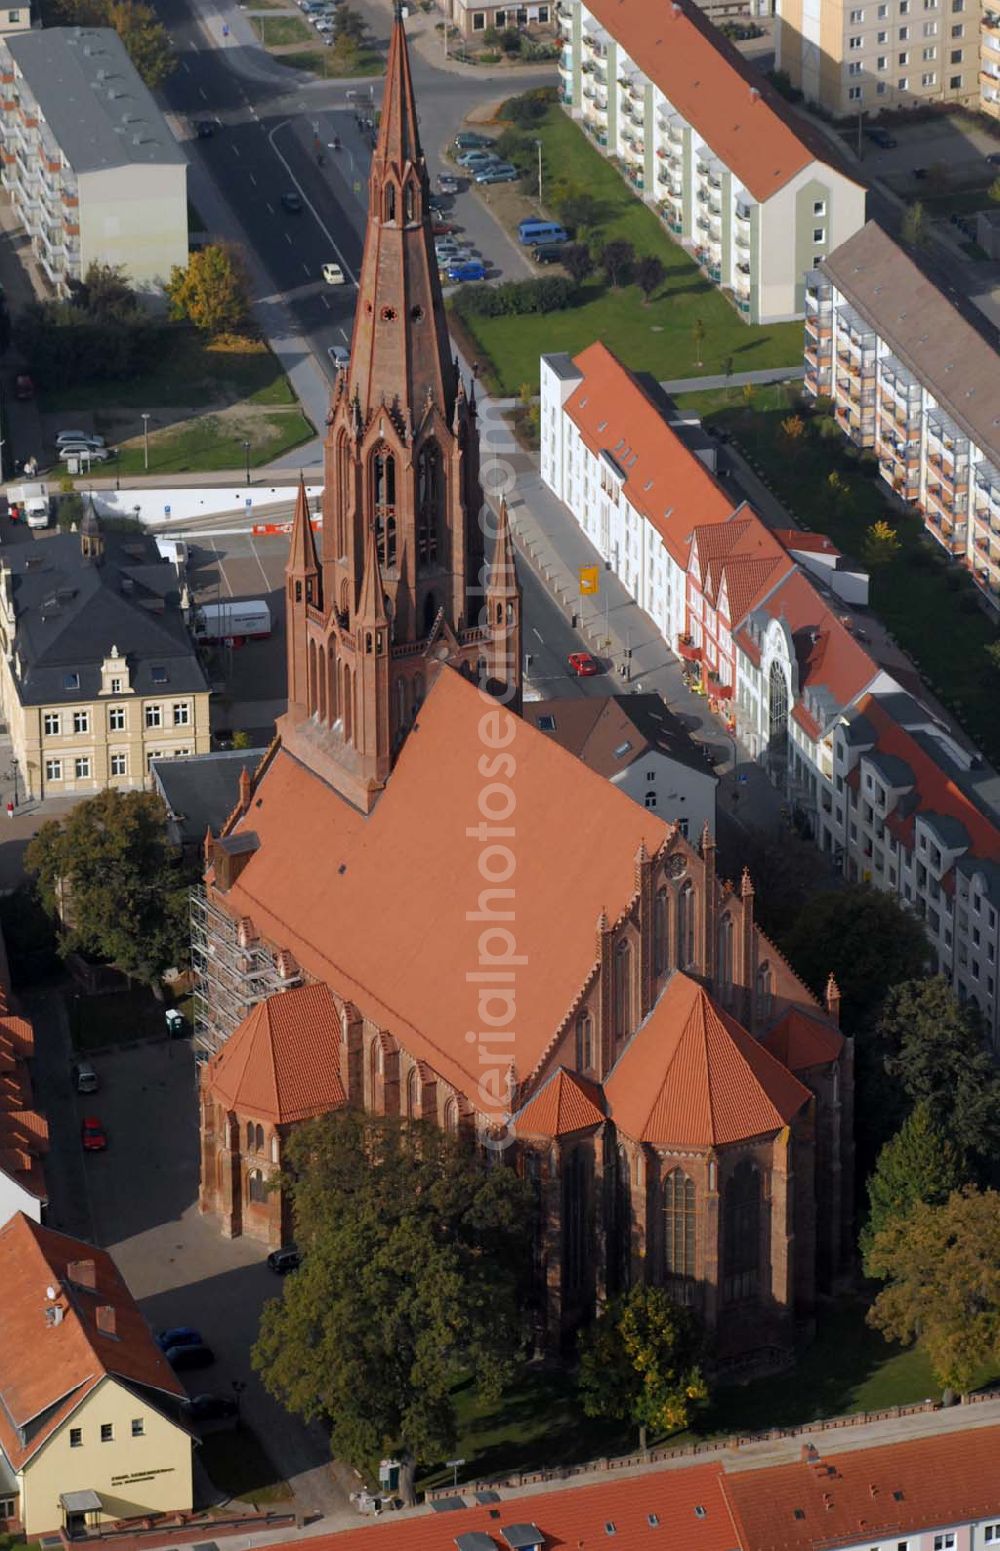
[
  {"x": 741, "y": 1219},
  {"x": 678, "y": 1232},
  {"x": 256, "y": 1188},
  {"x": 384, "y": 503},
  {"x": 724, "y": 960},
  {"x": 661, "y": 927},
  {"x": 451, "y": 1117},
  {"x": 585, "y": 1043},
  {"x": 343, "y": 493},
  {"x": 413, "y": 1093},
  {"x": 685, "y": 925},
  {"x": 389, "y": 203},
  {"x": 576, "y": 1192},
  {"x": 622, "y": 978},
  {"x": 409, "y": 204},
  {"x": 429, "y": 487}
]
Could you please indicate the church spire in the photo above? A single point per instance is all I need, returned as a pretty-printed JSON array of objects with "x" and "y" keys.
[
  {"x": 302, "y": 560},
  {"x": 302, "y": 592},
  {"x": 503, "y": 616}
]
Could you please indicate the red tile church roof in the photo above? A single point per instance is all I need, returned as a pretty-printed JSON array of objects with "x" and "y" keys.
[
  {"x": 283, "y": 1061},
  {"x": 799, "y": 1041},
  {"x": 564, "y": 1103},
  {"x": 692, "y": 1076}
]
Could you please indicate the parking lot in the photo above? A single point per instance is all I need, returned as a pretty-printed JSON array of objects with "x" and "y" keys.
[
  {"x": 250, "y": 678},
  {"x": 955, "y": 143},
  {"x": 139, "y": 1200}
]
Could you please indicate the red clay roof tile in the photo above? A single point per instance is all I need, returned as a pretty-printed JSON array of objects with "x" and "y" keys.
[
  {"x": 564, "y": 1103},
  {"x": 283, "y": 1061},
  {"x": 798, "y": 1041}
]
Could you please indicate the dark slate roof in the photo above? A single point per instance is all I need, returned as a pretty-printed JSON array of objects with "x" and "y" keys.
[
  {"x": 894, "y": 771},
  {"x": 93, "y": 98},
  {"x": 989, "y": 871},
  {"x": 202, "y": 789},
  {"x": 609, "y": 733},
  {"x": 70, "y": 612}
]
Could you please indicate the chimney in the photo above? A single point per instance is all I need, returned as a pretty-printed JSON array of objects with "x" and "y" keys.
[
  {"x": 105, "y": 1317},
  {"x": 754, "y": 94},
  {"x": 82, "y": 1272}
]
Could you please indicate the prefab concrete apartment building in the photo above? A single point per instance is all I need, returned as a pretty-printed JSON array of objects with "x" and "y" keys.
[
  {"x": 751, "y": 192},
  {"x": 912, "y": 379},
  {"x": 89, "y": 161}
]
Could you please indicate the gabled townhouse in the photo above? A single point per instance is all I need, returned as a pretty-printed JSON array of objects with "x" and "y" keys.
[
  {"x": 752, "y": 192},
  {"x": 911, "y": 378},
  {"x": 763, "y": 618}
]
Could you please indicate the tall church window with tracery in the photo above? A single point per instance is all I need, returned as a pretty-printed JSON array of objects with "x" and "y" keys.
[
  {"x": 661, "y": 927},
  {"x": 428, "y": 502},
  {"x": 685, "y": 925},
  {"x": 384, "y": 500},
  {"x": 741, "y": 1214},
  {"x": 678, "y": 1232},
  {"x": 622, "y": 978}
]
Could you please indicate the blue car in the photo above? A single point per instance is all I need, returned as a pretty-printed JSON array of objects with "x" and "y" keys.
[
  {"x": 472, "y": 269},
  {"x": 178, "y": 1335}
]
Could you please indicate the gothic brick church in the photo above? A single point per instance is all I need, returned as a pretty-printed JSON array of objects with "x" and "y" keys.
[{"x": 422, "y": 905}]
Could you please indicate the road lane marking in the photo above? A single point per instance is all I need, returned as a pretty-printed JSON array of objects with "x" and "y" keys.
[
  {"x": 307, "y": 271},
  {"x": 326, "y": 304},
  {"x": 344, "y": 337},
  {"x": 253, "y": 180},
  {"x": 538, "y": 633},
  {"x": 234, "y": 148},
  {"x": 202, "y": 93},
  {"x": 288, "y": 238},
  {"x": 267, "y": 579},
  {"x": 270, "y": 209}
]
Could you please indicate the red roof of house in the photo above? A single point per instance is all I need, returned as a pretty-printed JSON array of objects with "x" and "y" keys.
[
  {"x": 283, "y": 1061},
  {"x": 872, "y": 1494},
  {"x": 798, "y": 1041},
  {"x": 564, "y": 1103},
  {"x": 730, "y": 106},
  {"x": 935, "y": 791},
  {"x": 383, "y": 908},
  {"x": 664, "y": 480},
  {"x": 693, "y": 1076},
  {"x": 48, "y": 1368},
  {"x": 808, "y": 543},
  {"x": 828, "y": 655}
]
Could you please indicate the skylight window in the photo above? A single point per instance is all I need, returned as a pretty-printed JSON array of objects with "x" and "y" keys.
[{"x": 71, "y": 681}]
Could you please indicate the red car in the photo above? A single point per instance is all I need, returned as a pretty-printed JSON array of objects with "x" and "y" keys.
[
  {"x": 442, "y": 228},
  {"x": 583, "y": 665},
  {"x": 93, "y": 1135}
]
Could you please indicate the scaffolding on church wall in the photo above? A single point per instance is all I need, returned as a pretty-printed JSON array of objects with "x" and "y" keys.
[{"x": 230, "y": 977}]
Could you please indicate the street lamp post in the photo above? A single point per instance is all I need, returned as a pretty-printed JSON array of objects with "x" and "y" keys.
[
  {"x": 246, "y": 449},
  {"x": 12, "y": 772},
  {"x": 538, "y": 145},
  {"x": 239, "y": 1385},
  {"x": 145, "y": 442}
]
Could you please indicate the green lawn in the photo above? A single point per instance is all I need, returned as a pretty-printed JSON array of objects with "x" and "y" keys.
[
  {"x": 215, "y": 442},
  {"x": 325, "y": 62},
  {"x": 114, "y": 1018},
  {"x": 657, "y": 338},
  {"x": 848, "y": 1368},
  {"x": 239, "y": 1465},
  {"x": 274, "y": 31},
  {"x": 191, "y": 373},
  {"x": 919, "y": 585}
]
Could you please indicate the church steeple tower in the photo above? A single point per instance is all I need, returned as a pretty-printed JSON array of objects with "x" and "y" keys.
[{"x": 402, "y": 548}]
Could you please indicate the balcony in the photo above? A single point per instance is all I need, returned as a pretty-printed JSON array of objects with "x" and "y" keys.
[
  {"x": 741, "y": 241},
  {"x": 565, "y": 65},
  {"x": 743, "y": 211}
]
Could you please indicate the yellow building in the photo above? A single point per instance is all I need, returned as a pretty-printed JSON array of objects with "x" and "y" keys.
[
  {"x": 98, "y": 674},
  {"x": 90, "y": 1409}
]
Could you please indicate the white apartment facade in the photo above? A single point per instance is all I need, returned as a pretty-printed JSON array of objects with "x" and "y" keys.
[
  {"x": 911, "y": 379},
  {"x": 865, "y": 56},
  {"x": 778, "y": 658},
  {"x": 709, "y": 145},
  {"x": 989, "y": 60},
  {"x": 90, "y": 164}
]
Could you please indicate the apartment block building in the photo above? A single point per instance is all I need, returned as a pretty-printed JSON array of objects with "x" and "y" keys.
[
  {"x": 16, "y": 18},
  {"x": 766, "y": 620},
  {"x": 753, "y": 194},
  {"x": 91, "y": 166},
  {"x": 862, "y": 56},
  {"x": 989, "y": 61},
  {"x": 98, "y": 674},
  {"x": 912, "y": 379}
]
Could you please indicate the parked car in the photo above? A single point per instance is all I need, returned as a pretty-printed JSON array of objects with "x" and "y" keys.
[
  {"x": 505, "y": 173},
  {"x": 85, "y": 1079},
  {"x": 471, "y": 140},
  {"x": 281, "y": 1261},
  {"x": 333, "y": 274},
  {"x": 93, "y": 1135},
  {"x": 80, "y": 436},
  {"x": 178, "y": 1335},
  {"x": 181, "y": 1357},
  {"x": 444, "y": 246},
  {"x": 583, "y": 664},
  {"x": 919, "y": 173},
  {"x": 448, "y": 184},
  {"x": 468, "y": 269},
  {"x": 460, "y": 256},
  {"x": 340, "y": 356},
  {"x": 205, "y": 128},
  {"x": 994, "y": 159},
  {"x": 882, "y": 138},
  {"x": 24, "y": 387},
  {"x": 212, "y": 1408},
  {"x": 291, "y": 202},
  {"x": 443, "y": 228},
  {"x": 476, "y": 158},
  {"x": 85, "y": 450},
  {"x": 548, "y": 252}
]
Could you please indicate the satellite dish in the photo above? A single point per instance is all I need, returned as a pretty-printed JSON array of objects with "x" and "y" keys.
[{"x": 51, "y": 1294}]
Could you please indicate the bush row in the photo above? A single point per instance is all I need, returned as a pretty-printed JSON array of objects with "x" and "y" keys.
[{"x": 514, "y": 298}]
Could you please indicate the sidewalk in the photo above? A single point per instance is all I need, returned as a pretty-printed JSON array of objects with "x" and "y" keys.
[{"x": 758, "y": 379}]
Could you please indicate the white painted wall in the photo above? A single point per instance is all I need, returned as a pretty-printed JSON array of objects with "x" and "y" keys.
[
  {"x": 14, "y": 1198},
  {"x": 683, "y": 795},
  {"x": 177, "y": 506}
]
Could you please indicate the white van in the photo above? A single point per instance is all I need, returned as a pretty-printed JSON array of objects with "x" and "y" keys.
[{"x": 33, "y": 501}]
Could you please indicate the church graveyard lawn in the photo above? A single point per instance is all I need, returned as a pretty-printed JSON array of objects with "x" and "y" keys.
[
  {"x": 848, "y": 1369},
  {"x": 657, "y": 337},
  {"x": 192, "y": 373},
  {"x": 918, "y": 585}
]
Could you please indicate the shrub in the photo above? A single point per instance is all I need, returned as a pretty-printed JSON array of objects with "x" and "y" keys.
[
  {"x": 530, "y": 108},
  {"x": 515, "y": 298}
]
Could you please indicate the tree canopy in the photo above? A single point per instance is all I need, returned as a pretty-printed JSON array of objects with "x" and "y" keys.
[
  {"x": 101, "y": 330},
  {"x": 920, "y": 1163},
  {"x": 107, "y": 872},
  {"x": 865, "y": 937},
  {"x": 942, "y": 1267},
  {"x": 213, "y": 292},
  {"x": 415, "y": 1257},
  {"x": 639, "y": 1361}
]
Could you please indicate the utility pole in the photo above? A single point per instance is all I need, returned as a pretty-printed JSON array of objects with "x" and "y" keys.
[
  {"x": 145, "y": 442},
  {"x": 538, "y": 144}
]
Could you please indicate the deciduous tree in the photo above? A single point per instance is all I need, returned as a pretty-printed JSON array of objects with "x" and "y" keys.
[
  {"x": 213, "y": 292},
  {"x": 640, "y": 1362},
  {"x": 913, "y": 229},
  {"x": 578, "y": 261},
  {"x": 618, "y": 261},
  {"x": 920, "y": 1163},
  {"x": 881, "y": 544},
  {"x": 146, "y": 39},
  {"x": 650, "y": 273},
  {"x": 942, "y": 1267},
  {"x": 107, "y": 872},
  {"x": 414, "y": 1257}
]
